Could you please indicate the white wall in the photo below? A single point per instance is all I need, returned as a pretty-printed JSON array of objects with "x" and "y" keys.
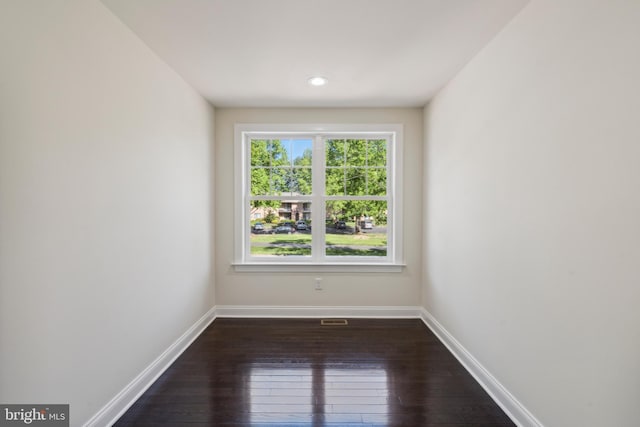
[
  {"x": 105, "y": 205},
  {"x": 388, "y": 289},
  {"x": 532, "y": 244}
]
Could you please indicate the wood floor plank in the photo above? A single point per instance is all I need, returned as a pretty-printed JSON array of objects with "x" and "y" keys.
[{"x": 295, "y": 372}]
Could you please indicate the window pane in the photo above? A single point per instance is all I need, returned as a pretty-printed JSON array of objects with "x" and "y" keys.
[
  {"x": 335, "y": 152},
  {"x": 283, "y": 181},
  {"x": 356, "y": 182},
  {"x": 302, "y": 153},
  {"x": 334, "y": 182},
  {"x": 280, "y": 181},
  {"x": 260, "y": 185},
  {"x": 260, "y": 154},
  {"x": 356, "y": 152},
  {"x": 376, "y": 182},
  {"x": 301, "y": 181},
  {"x": 356, "y": 228},
  {"x": 279, "y": 150},
  {"x": 377, "y": 152},
  {"x": 280, "y": 228}
]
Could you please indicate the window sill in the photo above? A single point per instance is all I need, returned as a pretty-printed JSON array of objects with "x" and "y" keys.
[{"x": 260, "y": 267}]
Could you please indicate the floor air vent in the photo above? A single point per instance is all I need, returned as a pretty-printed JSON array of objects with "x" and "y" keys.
[{"x": 334, "y": 322}]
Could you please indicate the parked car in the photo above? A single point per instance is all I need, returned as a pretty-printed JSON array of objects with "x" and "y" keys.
[
  {"x": 366, "y": 224},
  {"x": 258, "y": 226},
  {"x": 301, "y": 225},
  {"x": 340, "y": 225},
  {"x": 284, "y": 229}
]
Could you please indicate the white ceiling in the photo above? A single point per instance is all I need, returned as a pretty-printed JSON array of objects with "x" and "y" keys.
[{"x": 260, "y": 53}]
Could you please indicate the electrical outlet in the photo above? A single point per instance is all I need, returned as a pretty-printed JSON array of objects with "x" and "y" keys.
[{"x": 318, "y": 284}]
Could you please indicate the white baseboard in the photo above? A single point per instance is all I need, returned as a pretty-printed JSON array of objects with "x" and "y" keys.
[
  {"x": 382, "y": 312},
  {"x": 509, "y": 404},
  {"x": 113, "y": 410}
]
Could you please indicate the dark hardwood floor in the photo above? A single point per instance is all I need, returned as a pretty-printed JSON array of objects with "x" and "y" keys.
[{"x": 295, "y": 372}]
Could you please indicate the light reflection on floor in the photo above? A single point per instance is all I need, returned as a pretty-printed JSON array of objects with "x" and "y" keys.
[
  {"x": 281, "y": 395},
  {"x": 318, "y": 395}
]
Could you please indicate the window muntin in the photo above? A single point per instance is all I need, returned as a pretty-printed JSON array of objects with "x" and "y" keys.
[{"x": 351, "y": 173}]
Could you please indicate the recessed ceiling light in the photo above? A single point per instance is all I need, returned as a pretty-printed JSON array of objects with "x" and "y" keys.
[{"x": 317, "y": 81}]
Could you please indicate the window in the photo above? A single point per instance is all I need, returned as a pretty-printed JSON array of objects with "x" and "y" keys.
[{"x": 318, "y": 196}]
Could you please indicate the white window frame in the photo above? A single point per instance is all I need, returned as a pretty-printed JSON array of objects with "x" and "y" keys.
[{"x": 244, "y": 262}]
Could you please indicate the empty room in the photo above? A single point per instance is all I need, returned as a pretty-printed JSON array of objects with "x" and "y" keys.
[{"x": 320, "y": 213}]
